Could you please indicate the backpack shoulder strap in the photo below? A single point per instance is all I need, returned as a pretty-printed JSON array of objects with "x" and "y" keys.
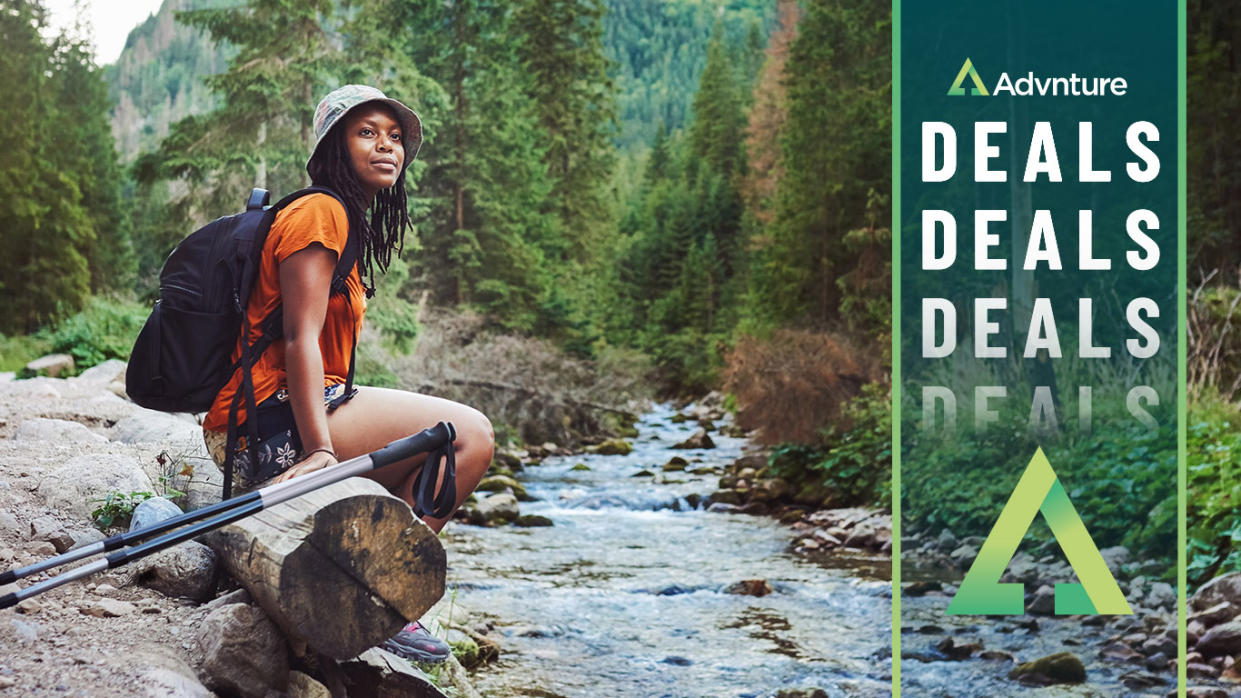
[{"x": 349, "y": 256}]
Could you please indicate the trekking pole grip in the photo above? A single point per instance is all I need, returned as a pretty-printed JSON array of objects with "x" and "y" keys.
[{"x": 426, "y": 440}]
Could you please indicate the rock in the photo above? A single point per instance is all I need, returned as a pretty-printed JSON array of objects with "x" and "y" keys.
[
  {"x": 379, "y": 673},
  {"x": 861, "y": 537},
  {"x": 238, "y": 650},
  {"x": 1195, "y": 670},
  {"x": 105, "y": 590},
  {"x": 1044, "y": 601},
  {"x": 613, "y": 447},
  {"x": 771, "y": 489},
  {"x": 9, "y": 523},
  {"x": 997, "y": 655},
  {"x": 52, "y": 366},
  {"x": 946, "y": 541},
  {"x": 83, "y": 536},
  {"x": 1159, "y": 645},
  {"x": 750, "y": 587},
  {"x": 1161, "y": 595},
  {"x": 188, "y": 570},
  {"x": 500, "y": 483},
  {"x": 1219, "y": 613},
  {"x": 1061, "y": 667},
  {"x": 303, "y": 686},
  {"x": 722, "y": 508},
  {"x": 698, "y": 440},
  {"x": 643, "y": 473},
  {"x": 108, "y": 608},
  {"x": 531, "y": 521},
  {"x": 915, "y": 588},
  {"x": 1224, "y": 638},
  {"x": 963, "y": 554},
  {"x": 24, "y": 633},
  {"x": 676, "y": 463},
  {"x": 580, "y": 467},
  {"x": 1121, "y": 652},
  {"x": 76, "y": 485},
  {"x": 44, "y": 527},
  {"x": 725, "y": 497},
  {"x": 56, "y": 431},
  {"x": 802, "y": 693},
  {"x": 498, "y": 508},
  {"x": 1137, "y": 680},
  {"x": 1225, "y": 587},
  {"x": 98, "y": 377},
  {"x": 950, "y": 649},
  {"x": 203, "y": 486},
  {"x": 151, "y": 427},
  {"x": 151, "y": 511},
  {"x": 160, "y": 673},
  {"x": 1157, "y": 661},
  {"x": 692, "y": 500}
]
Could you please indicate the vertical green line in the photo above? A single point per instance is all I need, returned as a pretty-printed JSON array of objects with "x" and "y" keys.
[
  {"x": 896, "y": 349},
  {"x": 1182, "y": 411}
]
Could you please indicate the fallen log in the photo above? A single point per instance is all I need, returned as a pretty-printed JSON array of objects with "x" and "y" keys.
[{"x": 341, "y": 568}]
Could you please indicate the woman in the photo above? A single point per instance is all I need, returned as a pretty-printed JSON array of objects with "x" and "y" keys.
[{"x": 364, "y": 143}]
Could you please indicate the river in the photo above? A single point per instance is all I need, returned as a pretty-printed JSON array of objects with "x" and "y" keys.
[{"x": 626, "y": 594}]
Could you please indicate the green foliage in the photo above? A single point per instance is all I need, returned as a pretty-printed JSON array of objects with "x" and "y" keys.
[
  {"x": 854, "y": 460},
  {"x": 116, "y": 508},
  {"x": 1214, "y": 482},
  {"x": 19, "y": 350},
  {"x": 63, "y": 232},
  {"x": 105, "y": 329}
]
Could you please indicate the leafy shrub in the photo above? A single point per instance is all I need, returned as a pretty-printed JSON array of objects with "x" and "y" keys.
[
  {"x": 19, "y": 350},
  {"x": 117, "y": 508},
  {"x": 1214, "y": 480},
  {"x": 856, "y": 464},
  {"x": 105, "y": 329}
]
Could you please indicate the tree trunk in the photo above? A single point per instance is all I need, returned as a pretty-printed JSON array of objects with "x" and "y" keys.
[{"x": 341, "y": 568}]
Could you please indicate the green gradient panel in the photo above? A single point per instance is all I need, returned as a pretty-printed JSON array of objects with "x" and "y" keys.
[{"x": 1066, "y": 445}]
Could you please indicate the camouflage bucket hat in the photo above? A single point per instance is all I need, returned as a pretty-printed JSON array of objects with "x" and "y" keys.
[{"x": 342, "y": 100}]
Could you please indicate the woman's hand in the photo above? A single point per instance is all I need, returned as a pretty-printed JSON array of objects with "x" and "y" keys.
[{"x": 315, "y": 461}]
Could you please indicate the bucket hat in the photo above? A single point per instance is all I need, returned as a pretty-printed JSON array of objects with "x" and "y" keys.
[{"x": 342, "y": 100}]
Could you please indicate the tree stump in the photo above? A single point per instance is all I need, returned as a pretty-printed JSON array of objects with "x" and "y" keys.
[{"x": 341, "y": 568}]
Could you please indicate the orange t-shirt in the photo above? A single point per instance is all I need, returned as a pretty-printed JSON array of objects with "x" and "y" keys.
[{"x": 316, "y": 218}]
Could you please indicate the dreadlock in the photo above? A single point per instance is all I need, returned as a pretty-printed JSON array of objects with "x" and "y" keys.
[{"x": 389, "y": 214}]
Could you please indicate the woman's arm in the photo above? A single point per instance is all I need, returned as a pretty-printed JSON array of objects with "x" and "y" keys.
[{"x": 305, "y": 284}]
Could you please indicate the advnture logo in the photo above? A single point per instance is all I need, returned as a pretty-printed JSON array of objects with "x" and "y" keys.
[
  {"x": 1039, "y": 489},
  {"x": 1031, "y": 85},
  {"x": 978, "y": 90}
]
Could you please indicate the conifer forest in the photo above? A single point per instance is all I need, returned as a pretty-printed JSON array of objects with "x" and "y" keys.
[{"x": 694, "y": 192}]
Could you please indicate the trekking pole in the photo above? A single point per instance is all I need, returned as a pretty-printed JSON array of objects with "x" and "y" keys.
[{"x": 203, "y": 520}]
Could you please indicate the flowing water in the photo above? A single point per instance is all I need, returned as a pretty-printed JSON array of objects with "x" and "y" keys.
[{"x": 626, "y": 594}]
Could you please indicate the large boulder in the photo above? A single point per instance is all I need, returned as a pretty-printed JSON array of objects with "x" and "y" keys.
[
  {"x": 502, "y": 483},
  {"x": 151, "y": 427},
  {"x": 237, "y": 650},
  {"x": 76, "y": 486},
  {"x": 57, "y": 431},
  {"x": 187, "y": 570}
]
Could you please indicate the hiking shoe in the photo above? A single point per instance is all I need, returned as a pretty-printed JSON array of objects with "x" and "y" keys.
[{"x": 417, "y": 643}]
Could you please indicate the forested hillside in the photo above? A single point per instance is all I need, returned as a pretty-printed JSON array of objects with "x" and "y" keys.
[{"x": 158, "y": 78}]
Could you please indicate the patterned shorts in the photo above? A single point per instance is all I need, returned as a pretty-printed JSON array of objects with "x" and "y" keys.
[{"x": 279, "y": 446}]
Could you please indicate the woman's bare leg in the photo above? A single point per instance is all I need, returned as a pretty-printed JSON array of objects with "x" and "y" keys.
[{"x": 376, "y": 417}]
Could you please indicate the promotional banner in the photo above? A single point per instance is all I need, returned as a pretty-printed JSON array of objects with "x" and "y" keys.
[{"x": 1037, "y": 175}]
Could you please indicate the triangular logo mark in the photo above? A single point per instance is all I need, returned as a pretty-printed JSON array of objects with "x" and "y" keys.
[
  {"x": 1039, "y": 489},
  {"x": 978, "y": 90}
]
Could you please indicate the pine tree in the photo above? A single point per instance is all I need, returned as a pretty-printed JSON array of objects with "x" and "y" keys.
[
  {"x": 836, "y": 151},
  {"x": 765, "y": 166},
  {"x": 48, "y": 232},
  {"x": 561, "y": 49}
]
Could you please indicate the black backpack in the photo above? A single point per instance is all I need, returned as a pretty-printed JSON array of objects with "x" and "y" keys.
[{"x": 183, "y": 355}]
